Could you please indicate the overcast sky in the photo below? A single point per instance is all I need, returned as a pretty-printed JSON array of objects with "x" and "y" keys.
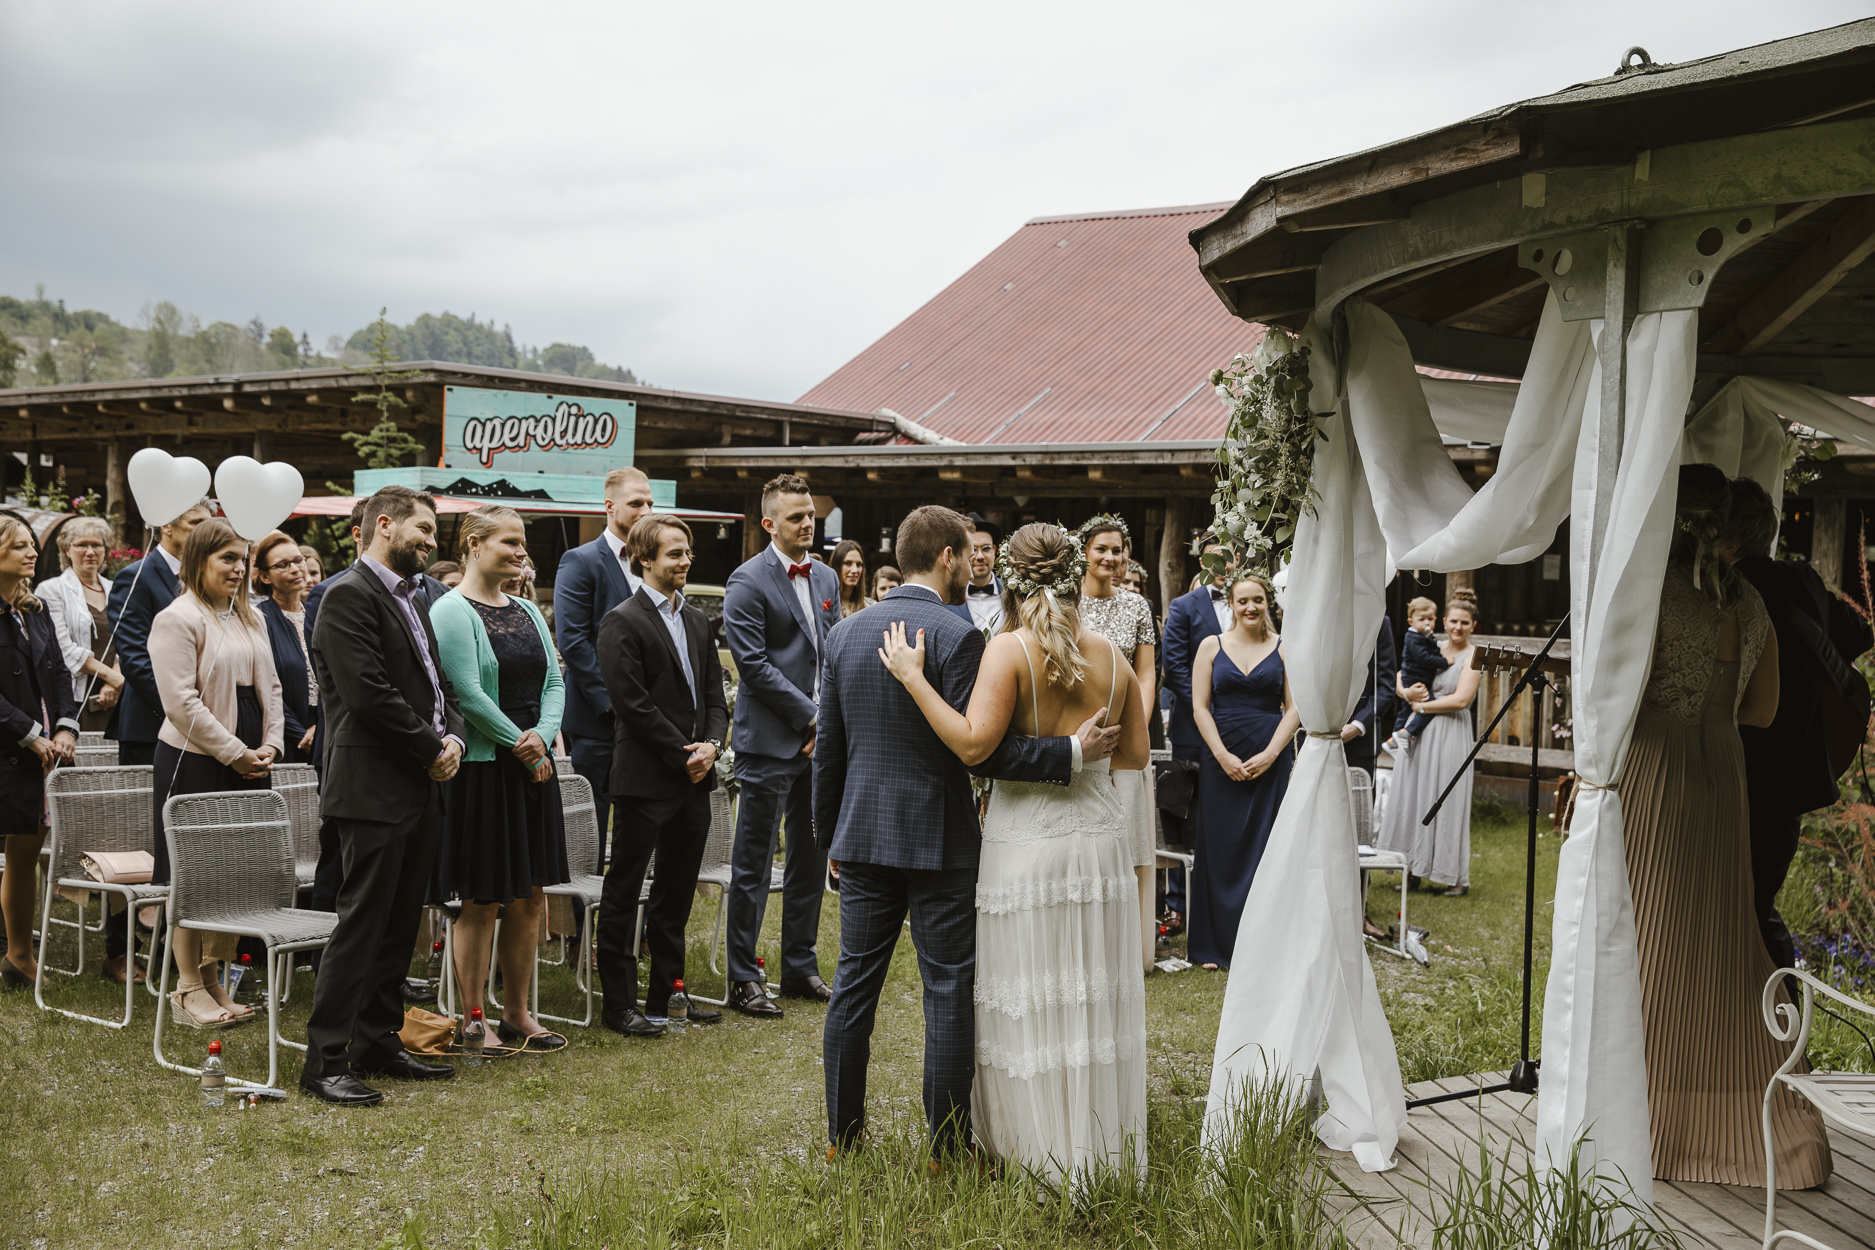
[{"x": 724, "y": 197}]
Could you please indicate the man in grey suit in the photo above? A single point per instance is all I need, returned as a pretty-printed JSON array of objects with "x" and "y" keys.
[
  {"x": 895, "y": 811},
  {"x": 777, "y": 609}
]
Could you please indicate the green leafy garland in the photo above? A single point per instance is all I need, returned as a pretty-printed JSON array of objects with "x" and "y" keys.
[
  {"x": 1804, "y": 450},
  {"x": 1266, "y": 461}
]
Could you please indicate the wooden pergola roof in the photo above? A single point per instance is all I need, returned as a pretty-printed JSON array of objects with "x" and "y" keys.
[{"x": 1429, "y": 228}]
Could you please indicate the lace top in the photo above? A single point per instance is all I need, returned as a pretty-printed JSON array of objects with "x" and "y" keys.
[
  {"x": 1686, "y": 646},
  {"x": 516, "y": 643},
  {"x": 298, "y": 621},
  {"x": 1123, "y": 619}
]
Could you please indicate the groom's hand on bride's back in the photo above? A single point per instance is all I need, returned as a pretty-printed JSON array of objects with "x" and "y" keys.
[{"x": 1097, "y": 742}]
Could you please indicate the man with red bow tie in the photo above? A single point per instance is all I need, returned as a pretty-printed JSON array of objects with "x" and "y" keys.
[{"x": 777, "y": 609}]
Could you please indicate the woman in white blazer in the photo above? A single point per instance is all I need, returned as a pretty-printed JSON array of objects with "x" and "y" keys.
[{"x": 75, "y": 600}]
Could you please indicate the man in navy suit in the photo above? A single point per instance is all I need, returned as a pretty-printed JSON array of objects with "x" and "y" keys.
[
  {"x": 1192, "y": 619},
  {"x": 982, "y": 603},
  {"x": 138, "y": 593},
  {"x": 894, "y": 809},
  {"x": 777, "y": 609},
  {"x": 1362, "y": 732},
  {"x": 592, "y": 580}
]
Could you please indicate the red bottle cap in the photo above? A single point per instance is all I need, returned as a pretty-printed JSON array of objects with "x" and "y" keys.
[
  {"x": 475, "y": 1013},
  {"x": 246, "y": 960},
  {"x": 214, "y": 1048},
  {"x": 678, "y": 984},
  {"x": 435, "y": 946}
]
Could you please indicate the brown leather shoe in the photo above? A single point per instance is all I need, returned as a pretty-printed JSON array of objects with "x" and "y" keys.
[
  {"x": 811, "y": 988},
  {"x": 114, "y": 970},
  {"x": 749, "y": 998}
]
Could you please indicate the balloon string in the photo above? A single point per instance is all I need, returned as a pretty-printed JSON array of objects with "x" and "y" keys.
[{"x": 111, "y": 640}]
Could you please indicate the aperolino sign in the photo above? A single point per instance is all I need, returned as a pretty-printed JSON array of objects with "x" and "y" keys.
[{"x": 531, "y": 432}]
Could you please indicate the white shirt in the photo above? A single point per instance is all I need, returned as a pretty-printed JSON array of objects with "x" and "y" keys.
[
  {"x": 671, "y": 612},
  {"x": 804, "y": 592},
  {"x": 986, "y": 611},
  {"x": 632, "y": 580},
  {"x": 174, "y": 562},
  {"x": 1222, "y": 608}
]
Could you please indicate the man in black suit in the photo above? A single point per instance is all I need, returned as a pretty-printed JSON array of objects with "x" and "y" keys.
[
  {"x": 1787, "y": 770},
  {"x": 1361, "y": 735},
  {"x": 666, "y": 687},
  {"x": 394, "y": 735}
]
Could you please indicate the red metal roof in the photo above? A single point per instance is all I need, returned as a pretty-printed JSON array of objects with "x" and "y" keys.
[{"x": 1088, "y": 328}]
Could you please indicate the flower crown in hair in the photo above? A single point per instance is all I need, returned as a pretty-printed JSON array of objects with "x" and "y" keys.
[
  {"x": 1100, "y": 523},
  {"x": 1069, "y": 583}
]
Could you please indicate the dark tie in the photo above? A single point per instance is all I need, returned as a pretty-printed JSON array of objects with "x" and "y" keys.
[
  {"x": 980, "y": 590},
  {"x": 1217, "y": 596},
  {"x": 800, "y": 570}
]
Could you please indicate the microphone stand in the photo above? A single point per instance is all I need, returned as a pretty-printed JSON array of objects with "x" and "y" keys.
[{"x": 1523, "y": 1076}]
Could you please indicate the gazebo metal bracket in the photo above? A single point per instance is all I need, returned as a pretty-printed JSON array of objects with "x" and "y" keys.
[{"x": 1678, "y": 258}]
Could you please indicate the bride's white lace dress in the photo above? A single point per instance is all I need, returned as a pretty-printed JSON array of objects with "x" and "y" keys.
[{"x": 1060, "y": 998}]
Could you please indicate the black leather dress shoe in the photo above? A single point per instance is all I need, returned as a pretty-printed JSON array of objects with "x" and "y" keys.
[
  {"x": 751, "y": 999},
  {"x": 811, "y": 988},
  {"x": 632, "y": 1023},
  {"x": 344, "y": 1090},
  {"x": 407, "y": 1067},
  {"x": 705, "y": 1015}
]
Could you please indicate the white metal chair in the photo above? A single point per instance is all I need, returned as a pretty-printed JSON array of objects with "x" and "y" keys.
[
  {"x": 97, "y": 809},
  {"x": 719, "y": 848},
  {"x": 95, "y": 755},
  {"x": 582, "y": 850},
  {"x": 1845, "y": 1099},
  {"x": 1164, "y": 856},
  {"x": 298, "y": 784},
  {"x": 231, "y": 870},
  {"x": 93, "y": 738},
  {"x": 1361, "y": 794}
]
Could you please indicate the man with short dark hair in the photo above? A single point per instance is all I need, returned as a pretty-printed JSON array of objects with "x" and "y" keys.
[
  {"x": 665, "y": 685},
  {"x": 394, "y": 736},
  {"x": 1787, "y": 771},
  {"x": 777, "y": 609},
  {"x": 982, "y": 605},
  {"x": 592, "y": 579}
]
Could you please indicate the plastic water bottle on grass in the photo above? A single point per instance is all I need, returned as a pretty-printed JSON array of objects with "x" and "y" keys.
[
  {"x": 250, "y": 990},
  {"x": 474, "y": 1038},
  {"x": 679, "y": 1009},
  {"x": 435, "y": 970},
  {"x": 214, "y": 1077},
  {"x": 761, "y": 973}
]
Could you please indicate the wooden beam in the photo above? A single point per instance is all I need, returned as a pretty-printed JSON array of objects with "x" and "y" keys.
[
  {"x": 1804, "y": 281},
  {"x": 1466, "y": 289}
]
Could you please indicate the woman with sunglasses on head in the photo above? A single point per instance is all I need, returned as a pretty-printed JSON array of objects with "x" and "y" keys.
[{"x": 280, "y": 581}]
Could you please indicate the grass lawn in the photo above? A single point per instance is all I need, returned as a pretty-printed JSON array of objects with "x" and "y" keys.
[{"x": 714, "y": 1138}]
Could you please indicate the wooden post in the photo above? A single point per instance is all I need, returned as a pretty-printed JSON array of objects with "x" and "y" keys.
[
  {"x": 1172, "y": 552},
  {"x": 1826, "y": 539},
  {"x": 263, "y": 445},
  {"x": 754, "y": 537},
  {"x": 117, "y": 506}
]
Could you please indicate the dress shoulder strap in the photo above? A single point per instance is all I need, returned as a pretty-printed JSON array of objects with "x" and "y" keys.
[
  {"x": 1113, "y": 678},
  {"x": 1035, "y": 703}
]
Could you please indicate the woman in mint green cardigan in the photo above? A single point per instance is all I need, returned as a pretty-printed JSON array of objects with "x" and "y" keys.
[{"x": 503, "y": 833}]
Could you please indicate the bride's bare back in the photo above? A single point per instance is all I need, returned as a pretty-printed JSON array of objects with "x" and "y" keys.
[{"x": 1013, "y": 665}]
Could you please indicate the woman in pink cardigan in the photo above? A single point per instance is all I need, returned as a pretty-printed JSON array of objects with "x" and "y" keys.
[{"x": 223, "y": 722}]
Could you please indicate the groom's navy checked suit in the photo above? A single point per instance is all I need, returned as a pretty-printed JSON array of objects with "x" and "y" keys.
[{"x": 894, "y": 806}]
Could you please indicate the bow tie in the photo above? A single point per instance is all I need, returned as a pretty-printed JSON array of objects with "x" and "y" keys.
[
  {"x": 803, "y": 569},
  {"x": 980, "y": 590},
  {"x": 1217, "y": 596}
]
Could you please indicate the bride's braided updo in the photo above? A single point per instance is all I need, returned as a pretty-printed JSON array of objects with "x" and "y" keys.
[{"x": 1042, "y": 566}]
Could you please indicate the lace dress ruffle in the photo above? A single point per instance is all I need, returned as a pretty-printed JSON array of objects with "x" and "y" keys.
[{"x": 1686, "y": 649}]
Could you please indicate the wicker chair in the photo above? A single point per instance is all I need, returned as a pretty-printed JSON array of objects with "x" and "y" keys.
[
  {"x": 95, "y": 755},
  {"x": 582, "y": 849},
  {"x": 1361, "y": 795},
  {"x": 1163, "y": 856},
  {"x": 97, "y": 809},
  {"x": 231, "y": 863},
  {"x": 298, "y": 784}
]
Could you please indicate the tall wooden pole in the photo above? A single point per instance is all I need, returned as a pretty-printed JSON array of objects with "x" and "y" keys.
[{"x": 1172, "y": 552}]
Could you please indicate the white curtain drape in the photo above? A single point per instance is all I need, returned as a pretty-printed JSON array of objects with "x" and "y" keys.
[
  {"x": 1738, "y": 429},
  {"x": 1301, "y": 1000},
  {"x": 1309, "y": 970}
]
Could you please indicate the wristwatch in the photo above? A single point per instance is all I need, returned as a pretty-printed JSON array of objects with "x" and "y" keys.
[{"x": 717, "y": 743}]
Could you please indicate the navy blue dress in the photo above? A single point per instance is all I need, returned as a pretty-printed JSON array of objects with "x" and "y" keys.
[{"x": 1232, "y": 819}]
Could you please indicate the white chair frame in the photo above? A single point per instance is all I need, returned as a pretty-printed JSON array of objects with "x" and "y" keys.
[{"x": 1845, "y": 1099}]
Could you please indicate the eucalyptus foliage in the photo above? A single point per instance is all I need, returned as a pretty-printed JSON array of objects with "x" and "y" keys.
[{"x": 1266, "y": 461}]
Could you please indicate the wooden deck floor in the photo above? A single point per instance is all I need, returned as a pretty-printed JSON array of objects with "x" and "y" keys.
[{"x": 1393, "y": 1208}]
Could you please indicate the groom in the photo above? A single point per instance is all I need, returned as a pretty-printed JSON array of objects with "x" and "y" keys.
[{"x": 894, "y": 810}]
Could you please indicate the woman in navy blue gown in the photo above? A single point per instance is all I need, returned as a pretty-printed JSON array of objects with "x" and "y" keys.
[{"x": 1240, "y": 701}]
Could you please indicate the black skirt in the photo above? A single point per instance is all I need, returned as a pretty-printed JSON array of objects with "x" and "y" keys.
[
  {"x": 503, "y": 834},
  {"x": 190, "y": 772}
]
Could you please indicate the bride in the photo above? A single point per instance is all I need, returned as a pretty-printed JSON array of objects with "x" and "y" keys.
[{"x": 1060, "y": 997}]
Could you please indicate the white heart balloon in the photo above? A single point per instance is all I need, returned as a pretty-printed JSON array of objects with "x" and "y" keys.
[
  {"x": 256, "y": 497},
  {"x": 165, "y": 486}
]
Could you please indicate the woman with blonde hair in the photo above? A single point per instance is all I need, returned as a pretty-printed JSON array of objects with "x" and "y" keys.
[
  {"x": 76, "y": 600},
  {"x": 504, "y": 836},
  {"x": 1241, "y": 705},
  {"x": 38, "y": 731},
  {"x": 223, "y": 725},
  {"x": 1060, "y": 997},
  {"x": 280, "y": 581}
]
